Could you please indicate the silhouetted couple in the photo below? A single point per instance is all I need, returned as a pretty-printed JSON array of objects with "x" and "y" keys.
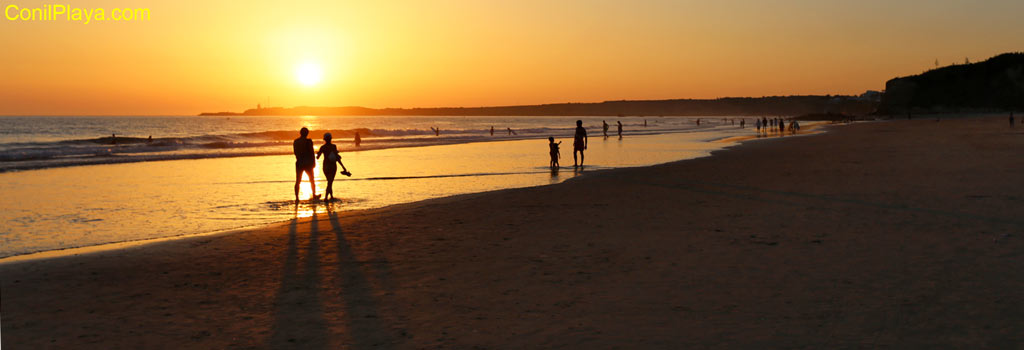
[{"x": 305, "y": 162}]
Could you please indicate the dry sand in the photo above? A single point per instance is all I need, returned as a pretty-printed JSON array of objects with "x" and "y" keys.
[{"x": 902, "y": 234}]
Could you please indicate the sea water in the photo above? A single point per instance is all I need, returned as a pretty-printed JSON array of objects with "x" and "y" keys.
[{"x": 65, "y": 184}]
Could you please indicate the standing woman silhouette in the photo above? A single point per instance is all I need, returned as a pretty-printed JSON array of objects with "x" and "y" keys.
[{"x": 331, "y": 156}]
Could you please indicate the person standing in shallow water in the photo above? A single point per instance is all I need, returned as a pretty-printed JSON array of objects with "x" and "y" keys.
[
  {"x": 579, "y": 142},
  {"x": 331, "y": 156},
  {"x": 358, "y": 140},
  {"x": 554, "y": 152},
  {"x": 620, "y": 128},
  {"x": 304, "y": 162}
]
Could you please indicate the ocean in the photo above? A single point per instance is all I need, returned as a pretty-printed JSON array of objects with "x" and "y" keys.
[{"x": 73, "y": 182}]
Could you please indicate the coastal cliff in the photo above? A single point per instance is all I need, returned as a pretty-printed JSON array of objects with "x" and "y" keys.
[{"x": 996, "y": 84}]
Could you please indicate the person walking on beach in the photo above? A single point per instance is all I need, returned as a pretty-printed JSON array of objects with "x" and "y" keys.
[
  {"x": 304, "y": 162},
  {"x": 331, "y": 156},
  {"x": 620, "y": 128},
  {"x": 604, "y": 126},
  {"x": 579, "y": 142},
  {"x": 554, "y": 152}
]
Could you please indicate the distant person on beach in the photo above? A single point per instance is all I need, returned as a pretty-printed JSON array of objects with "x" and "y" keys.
[
  {"x": 331, "y": 156},
  {"x": 620, "y": 128},
  {"x": 304, "y": 162},
  {"x": 757, "y": 123},
  {"x": 437, "y": 131},
  {"x": 604, "y": 126},
  {"x": 645, "y": 123},
  {"x": 113, "y": 138},
  {"x": 743, "y": 123},
  {"x": 554, "y": 152},
  {"x": 358, "y": 140},
  {"x": 150, "y": 139},
  {"x": 782, "y": 125},
  {"x": 579, "y": 142},
  {"x": 764, "y": 124},
  {"x": 492, "y": 130},
  {"x": 510, "y": 131}
]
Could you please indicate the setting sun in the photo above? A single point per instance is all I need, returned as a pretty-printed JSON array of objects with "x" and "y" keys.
[{"x": 309, "y": 74}]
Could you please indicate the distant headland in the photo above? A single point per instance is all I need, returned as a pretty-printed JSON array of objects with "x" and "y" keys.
[{"x": 774, "y": 105}]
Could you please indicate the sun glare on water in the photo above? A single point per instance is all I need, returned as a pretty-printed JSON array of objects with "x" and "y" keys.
[{"x": 309, "y": 73}]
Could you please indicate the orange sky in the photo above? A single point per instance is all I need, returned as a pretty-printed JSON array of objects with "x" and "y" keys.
[{"x": 229, "y": 55}]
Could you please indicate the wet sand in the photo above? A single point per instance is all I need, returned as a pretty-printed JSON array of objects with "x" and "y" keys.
[{"x": 901, "y": 234}]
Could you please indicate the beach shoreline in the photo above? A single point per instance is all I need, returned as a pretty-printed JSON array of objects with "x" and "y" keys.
[
  {"x": 737, "y": 141},
  {"x": 859, "y": 236}
]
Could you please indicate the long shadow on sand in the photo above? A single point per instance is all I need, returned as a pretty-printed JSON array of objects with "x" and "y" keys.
[
  {"x": 299, "y": 313},
  {"x": 356, "y": 291},
  {"x": 303, "y": 318}
]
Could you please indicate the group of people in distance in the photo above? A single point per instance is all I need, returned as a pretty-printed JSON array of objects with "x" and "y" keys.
[
  {"x": 604, "y": 127},
  {"x": 766, "y": 125},
  {"x": 305, "y": 158}
]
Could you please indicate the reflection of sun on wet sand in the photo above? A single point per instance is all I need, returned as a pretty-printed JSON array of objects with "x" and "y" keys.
[{"x": 908, "y": 240}]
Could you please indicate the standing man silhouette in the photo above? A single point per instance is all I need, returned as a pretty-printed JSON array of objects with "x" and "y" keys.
[
  {"x": 305, "y": 161},
  {"x": 579, "y": 142}
]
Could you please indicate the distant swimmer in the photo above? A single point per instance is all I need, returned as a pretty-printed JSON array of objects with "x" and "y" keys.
[
  {"x": 304, "y": 162},
  {"x": 604, "y": 126},
  {"x": 331, "y": 156},
  {"x": 554, "y": 152},
  {"x": 358, "y": 139},
  {"x": 579, "y": 143},
  {"x": 620, "y": 128}
]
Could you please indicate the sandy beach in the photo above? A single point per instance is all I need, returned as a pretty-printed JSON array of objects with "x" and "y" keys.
[{"x": 895, "y": 234}]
